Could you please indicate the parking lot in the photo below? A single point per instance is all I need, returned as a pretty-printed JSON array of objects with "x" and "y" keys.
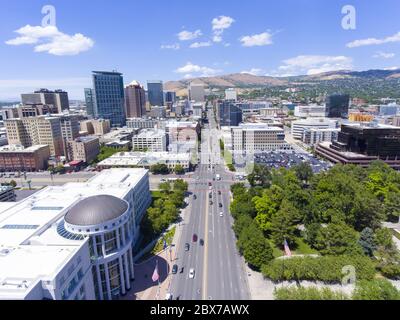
[{"x": 288, "y": 159}]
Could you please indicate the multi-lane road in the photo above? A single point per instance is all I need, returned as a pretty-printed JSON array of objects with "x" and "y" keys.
[{"x": 219, "y": 270}]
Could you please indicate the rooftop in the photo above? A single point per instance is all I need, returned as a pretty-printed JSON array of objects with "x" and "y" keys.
[
  {"x": 33, "y": 240},
  {"x": 20, "y": 148}
]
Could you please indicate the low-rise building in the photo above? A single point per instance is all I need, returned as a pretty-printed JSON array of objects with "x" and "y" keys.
[
  {"x": 314, "y": 136},
  {"x": 146, "y": 160},
  {"x": 255, "y": 138},
  {"x": 150, "y": 140},
  {"x": 141, "y": 123},
  {"x": 299, "y": 126},
  {"x": 17, "y": 158},
  {"x": 310, "y": 111},
  {"x": 83, "y": 149}
]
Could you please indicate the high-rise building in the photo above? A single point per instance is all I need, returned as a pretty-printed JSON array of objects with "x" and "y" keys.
[
  {"x": 89, "y": 99},
  {"x": 135, "y": 100},
  {"x": 170, "y": 97},
  {"x": 155, "y": 93},
  {"x": 58, "y": 99},
  {"x": 109, "y": 97},
  {"x": 231, "y": 94},
  {"x": 229, "y": 114},
  {"x": 196, "y": 92},
  {"x": 33, "y": 131},
  {"x": 337, "y": 106},
  {"x": 61, "y": 101}
]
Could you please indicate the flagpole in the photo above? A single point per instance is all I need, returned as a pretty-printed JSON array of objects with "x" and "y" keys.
[{"x": 158, "y": 280}]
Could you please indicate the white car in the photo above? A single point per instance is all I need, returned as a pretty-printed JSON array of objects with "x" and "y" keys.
[
  {"x": 191, "y": 273},
  {"x": 169, "y": 296},
  {"x": 221, "y": 214}
]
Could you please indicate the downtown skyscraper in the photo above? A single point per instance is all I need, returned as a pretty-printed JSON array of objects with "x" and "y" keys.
[
  {"x": 135, "y": 100},
  {"x": 155, "y": 93},
  {"x": 109, "y": 97}
]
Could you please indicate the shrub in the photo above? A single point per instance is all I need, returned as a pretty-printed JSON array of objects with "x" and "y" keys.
[
  {"x": 391, "y": 271},
  {"x": 327, "y": 268},
  {"x": 312, "y": 293},
  {"x": 378, "y": 289}
]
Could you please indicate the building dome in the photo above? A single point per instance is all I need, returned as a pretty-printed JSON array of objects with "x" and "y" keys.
[{"x": 96, "y": 210}]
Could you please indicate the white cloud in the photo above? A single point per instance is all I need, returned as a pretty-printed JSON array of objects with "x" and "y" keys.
[
  {"x": 391, "y": 68},
  {"x": 314, "y": 64},
  {"x": 253, "y": 71},
  {"x": 49, "y": 39},
  {"x": 374, "y": 41},
  {"x": 200, "y": 44},
  {"x": 219, "y": 25},
  {"x": 262, "y": 39},
  {"x": 174, "y": 46},
  {"x": 384, "y": 55},
  {"x": 190, "y": 68},
  {"x": 189, "y": 35},
  {"x": 222, "y": 22}
]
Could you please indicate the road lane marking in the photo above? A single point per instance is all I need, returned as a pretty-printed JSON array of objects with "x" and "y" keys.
[{"x": 205, "y": 264}]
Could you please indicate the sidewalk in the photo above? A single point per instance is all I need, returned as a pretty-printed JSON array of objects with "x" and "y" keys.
[{"x": 143, "y": 288}]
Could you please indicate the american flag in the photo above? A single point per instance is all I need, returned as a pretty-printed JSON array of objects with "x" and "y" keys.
[
  {"x": 287, "y": 249},
  {"x": 155, "y": 276}
]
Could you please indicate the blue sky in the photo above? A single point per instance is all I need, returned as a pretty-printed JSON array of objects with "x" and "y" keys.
[{"x": 170, "y": 40}]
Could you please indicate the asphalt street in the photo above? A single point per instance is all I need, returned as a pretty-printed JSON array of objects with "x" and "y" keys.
[{"x": 219, "y": 269}]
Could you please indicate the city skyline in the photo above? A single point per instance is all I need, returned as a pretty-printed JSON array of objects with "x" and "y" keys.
[{"x": 307, "y": 39}]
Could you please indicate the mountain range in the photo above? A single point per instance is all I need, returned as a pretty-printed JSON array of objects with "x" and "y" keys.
[{"x": 245, "y": 80}]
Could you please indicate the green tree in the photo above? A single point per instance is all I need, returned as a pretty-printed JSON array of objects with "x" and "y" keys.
[
  {"x": 267, "y": 206},
  {"x": 179, "y": 169},
  {"x": 311, "y": 233},
  {"x": 165, "y": 187},
  {"x": 336, "y": 239},
  {"x": 159, "y": 168},
  {"x": 260, "y": 176},
  {"x": 283, "y": 226},
  {"x": 255, "y": 248},
  {"x": 304, "y": 171},
  {"x": 367, "y": 241},
  {"x": 181, "y": 185},
  {"x": 377, "y": 289}
]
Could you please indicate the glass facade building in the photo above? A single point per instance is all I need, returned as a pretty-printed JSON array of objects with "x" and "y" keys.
[
  {"x": 155, "y": 93},
  {"x": 337, "y": 106},
  {"x": 229, "y": 114},
  {"x": 89, "y": 99},
  {"x": 109, "y": 97}
]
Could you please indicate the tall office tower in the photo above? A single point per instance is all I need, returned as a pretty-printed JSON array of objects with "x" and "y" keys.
[
  {"x": 58, "y": 99},
  {"x": 61, "y": 101},
  {"x": 170, "y": 97},
  {"x": 135, "y": 100},
  {"x": 42, "y": 96},
  {"x": 36, "y": 131},
  {"x": 196, "y": 92},
  {"x": 89, "y": 98},
  {"x": 229, "y": 114},
  {"x": 231, "y": 94},
  {"x": 155, "y": 93},
  {"x": 337, "y": 106},
  {"x": 109, "y": 97}
]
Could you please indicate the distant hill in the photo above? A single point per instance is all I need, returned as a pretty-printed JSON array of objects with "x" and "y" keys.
[{"x": 244, "y": 80}]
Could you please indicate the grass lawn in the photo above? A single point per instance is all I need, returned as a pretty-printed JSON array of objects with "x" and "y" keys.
[{"x": 302, "y": 248}]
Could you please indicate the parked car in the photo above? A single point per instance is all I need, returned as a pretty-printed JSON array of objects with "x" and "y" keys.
[
  {"x": 169, "y": 296},
  {"x": 175, "y": 269},
  {"x": 191, "y": 273}
]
